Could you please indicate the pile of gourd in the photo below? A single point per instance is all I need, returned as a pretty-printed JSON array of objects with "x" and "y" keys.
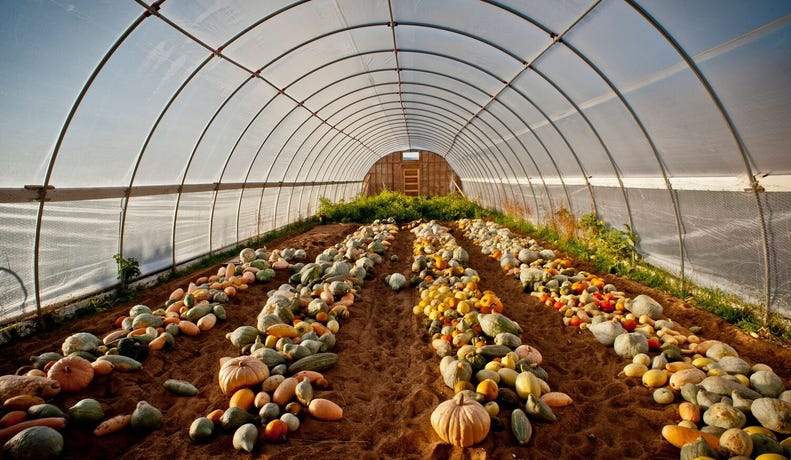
[
  {"x": 277, "y": 376},
  {"x": 483, "y": 359},
  {"x": 28, "y": 423},
  {"x": 730, "y": 407}
]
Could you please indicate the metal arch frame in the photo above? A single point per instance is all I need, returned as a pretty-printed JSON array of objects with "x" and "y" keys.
[
  {"x": 307, "y": 157},
  {"x": 529, "y": 65},
  {"x": 469, "y": 151},
  {"x": 392, "y": 26},
  {"x": 274, "y": 160},
  {"x": 463, "y": 82},
  {"x": 468, "y": 84},
  {"x": 154, "y": 11},
  {"x": 327, "y": 158},
  {"x": 422, "y": 122},
  {"x": 144, "y": 147},
  {"x": 434, "y": 120},
  {"x": 311, "y": 199},
  {"x": 547, "y": 30},
  {"x": 198, "y": 142},
  {"x": 247, "y": 174},
  {"x": 495, "y": 145},
  {"x": 445, "y": 109},
  {"x": 737, "y": 138},
  {"x": 315, "y": 145},
  {"x": 254, "y": 158},
  {"x": 652, "y": 145},
  {"x": 56, "y": 150},
  {"x": 598, "y": 137},
  {"x": 443, "y": 121},
  {"x": 300, "y": 167},
  {"x": 417, "y": 24},
  {"x": 566, "y": 142},
  {"x": 537, "y": 107}
]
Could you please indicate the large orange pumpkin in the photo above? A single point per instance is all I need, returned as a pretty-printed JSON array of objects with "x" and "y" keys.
[
  {"x": 461, "y": 422},
  {"x": 73, "y": 373},
  {"x": 240, "y": 372}
]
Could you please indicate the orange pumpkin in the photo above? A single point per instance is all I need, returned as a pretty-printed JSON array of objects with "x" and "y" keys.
[
  {"x": 275, "y": 431},
  {"x": 102, "y": 367},
  {"x": 73, "y": 373},
  {"x": 243, "y": 398},
  {"x": 240, "y": 372},
  {"x": 689, "y": 411},
  {"x": 461, "y": 422},
  {"x": 488, "y": 388},
  {"x": 215, "y": 415}
]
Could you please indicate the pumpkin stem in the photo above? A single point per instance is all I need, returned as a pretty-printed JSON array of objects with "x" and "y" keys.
[{"x": 460, "y": 400}]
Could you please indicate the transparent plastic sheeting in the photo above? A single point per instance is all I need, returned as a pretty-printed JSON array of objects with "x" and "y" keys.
[{"x": 169, "y": 130}]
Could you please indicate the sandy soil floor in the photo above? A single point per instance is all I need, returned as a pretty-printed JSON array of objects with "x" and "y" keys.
[{"x": 387, "y": 379}]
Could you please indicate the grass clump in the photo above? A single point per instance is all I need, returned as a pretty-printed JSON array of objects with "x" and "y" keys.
[{"x": 400, "y": 207}]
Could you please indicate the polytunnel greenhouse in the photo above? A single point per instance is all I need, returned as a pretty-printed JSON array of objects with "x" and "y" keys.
[{"x": 173, "y": 173}]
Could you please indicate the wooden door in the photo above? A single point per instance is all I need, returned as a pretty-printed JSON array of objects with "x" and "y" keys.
[{"x": 412, "y": 181}]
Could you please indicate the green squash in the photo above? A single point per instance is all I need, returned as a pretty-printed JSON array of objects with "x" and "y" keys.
[
  {"x": 34, "y": 443},
  {"x": 245, "y": 437},
  {"x": 138, "y": 309},
  {"x": 45, "y": 411},
  {"x": 268, "y": 412},
  {"x": 81, "y": 341},
  {"x": 173, "y": 329},
  {"x": 767, "y": 383},
  {"x": 180, "y": 387},
  {"x": 43, "y": 359},
  {"x": 133, "y": 348},
  {"x": 86, "y": 410},
  {"x": 219, "y": 312},
  {"x": 317, "y": 362},
  {"x": 457, "y": 371},
  {"x": 697, "y": 449},
  {"x": 145, "y": 417},
  {"x": 268, "y": 356},
  {"x": 772, "y": 413},
  {"x": 521, "y": 427},
  {"x": 234, "y": 417},
  {"x": 538, "y": 410},
  {"x": 495, "y": 323},
  {"x": 724, "y": 416},
  {"x": 242, "y": 335},
  {"x": 147, "y": 320},
  {"x": 201, "y": 430}
]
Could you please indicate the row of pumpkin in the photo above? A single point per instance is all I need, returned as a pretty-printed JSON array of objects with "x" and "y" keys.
[
  {"x": 483, "y": 359},
  {"x": 728, "y": 407},
  {"x": 277, "y": 378},
  {"x": 30, "y": 420}
]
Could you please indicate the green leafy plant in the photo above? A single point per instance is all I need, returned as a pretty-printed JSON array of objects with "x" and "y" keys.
[
  {"x": 611, "y": 250},
  {"x": 128, "y": 269},
  {"x": 400, "y": 207}
]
